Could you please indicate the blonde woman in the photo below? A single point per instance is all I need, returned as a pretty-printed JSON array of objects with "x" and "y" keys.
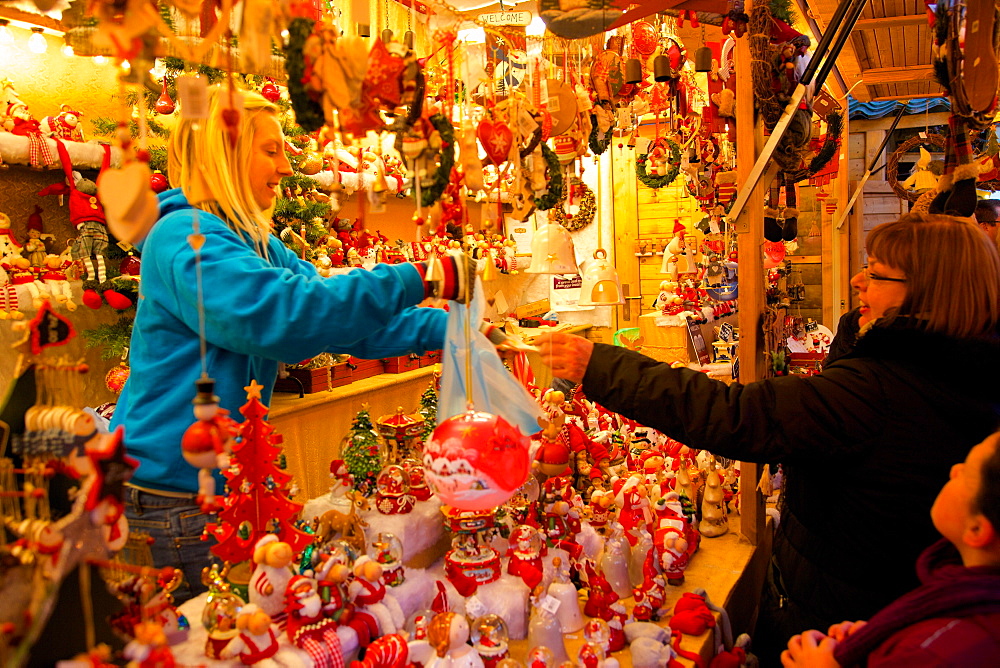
[
  {"x": 260, "y": 305},
  {"x": 865, "y": 444}
]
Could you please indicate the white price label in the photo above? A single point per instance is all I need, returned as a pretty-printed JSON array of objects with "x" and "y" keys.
[
  {"x": 475, "y": 607},
  {"x": 192, "y": 91},
  {"x": 642, "y": 145},
  {"x": 526, "y": 123},
  {"x": 550, "y": 604},
  {"x": 553, "y": 104}
]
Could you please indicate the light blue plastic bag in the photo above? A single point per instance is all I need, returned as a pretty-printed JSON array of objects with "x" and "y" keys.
[{"x": 494, "y": 388}]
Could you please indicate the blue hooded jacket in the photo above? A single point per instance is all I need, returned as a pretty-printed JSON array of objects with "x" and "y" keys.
[{"x": 258, "y": 312}]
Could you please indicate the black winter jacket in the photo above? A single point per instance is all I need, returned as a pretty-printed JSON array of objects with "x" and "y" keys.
[{"x": 866, "y": 445}]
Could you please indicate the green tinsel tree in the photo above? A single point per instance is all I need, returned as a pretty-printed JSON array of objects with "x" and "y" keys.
[
  {"x": 361, "y": 452},
  {"x": 428, "y": 410},
  {"x": 782, "y": 10}
]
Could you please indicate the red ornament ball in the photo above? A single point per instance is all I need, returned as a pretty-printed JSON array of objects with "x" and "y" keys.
[
  {"x": 129, "y": 266},
  {"x": 115, "y": 379},
  {"x": 476, "y": 461},
  {"x": 270, "y": 92},
  {"x": 158, "y": 182}
]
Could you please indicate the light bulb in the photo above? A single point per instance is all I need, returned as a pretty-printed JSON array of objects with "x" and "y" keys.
[
  {"x": 37, "y": 43},
  {"x": 536, "y": 28},
  {"x": 67, "y": 50},
  {"x": 6, "y": 38},
  {"x": 100, "y": 60}
]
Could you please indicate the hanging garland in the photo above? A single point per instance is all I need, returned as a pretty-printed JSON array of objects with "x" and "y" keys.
[
  {"x": 308, "y": 112},
  {"x": 597, "y": 144},
  {"x": 674, "y": 161},
  {"x": 892, "y": 164},
  {"x": 554, "y": 194},
  {"x": 584, "y": 215},
  {"x": 432, "y": 193}
]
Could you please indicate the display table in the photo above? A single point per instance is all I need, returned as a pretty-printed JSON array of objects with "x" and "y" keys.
[{"x": 313, "y": 425}]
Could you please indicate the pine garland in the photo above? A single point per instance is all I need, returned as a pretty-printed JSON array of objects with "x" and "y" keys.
[
  {"x": 308, "y": 112},
  {"x": 555, "y": 190},
  {"x": 659, "y": 181},
  {"x": 597, "y": 144},
  {"x": 113, "y": 337},
  {"x": 432, "y": 193}
]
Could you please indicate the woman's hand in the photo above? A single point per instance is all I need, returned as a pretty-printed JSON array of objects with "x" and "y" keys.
[
  {"x": 810, "y": 649},
  {"x": 840, "y": 631},
  {"x": 567, "y": 355}
]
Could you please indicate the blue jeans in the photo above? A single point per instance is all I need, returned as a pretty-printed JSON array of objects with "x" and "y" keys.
[{"x": 175, "y": 525}]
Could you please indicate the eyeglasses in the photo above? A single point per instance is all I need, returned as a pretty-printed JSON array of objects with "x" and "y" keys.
[{"x": 875, "y": 277}]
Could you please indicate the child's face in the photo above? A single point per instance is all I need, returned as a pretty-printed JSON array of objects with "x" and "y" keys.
[{"x": 953, "y": 509}]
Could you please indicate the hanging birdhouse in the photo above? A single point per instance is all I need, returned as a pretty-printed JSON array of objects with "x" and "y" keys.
[{"x": 401, "y": 433}]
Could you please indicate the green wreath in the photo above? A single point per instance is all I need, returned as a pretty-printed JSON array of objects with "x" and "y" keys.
[
  {"x": 654, "y": 182},
  {"x": 432, "y": 193},
  {"x": 598, "y": 145},
  {"x": 308, "y": 112},
  {"x": 555, "y": 190}
]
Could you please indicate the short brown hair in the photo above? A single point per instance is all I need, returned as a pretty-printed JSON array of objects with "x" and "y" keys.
[{"x": 952, "y": 272}]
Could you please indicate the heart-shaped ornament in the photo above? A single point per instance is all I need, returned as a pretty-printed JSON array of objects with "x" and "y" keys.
[
  {"x": 130, "y": 205},
  {"x": 496, "y": 139}
]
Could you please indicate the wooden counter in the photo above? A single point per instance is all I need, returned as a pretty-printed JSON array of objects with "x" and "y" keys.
[{"x": 313, "y": 426}]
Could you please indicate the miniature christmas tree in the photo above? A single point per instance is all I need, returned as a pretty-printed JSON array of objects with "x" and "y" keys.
[
  {"x": 361, "y": 452},
  {"x": 428, "y": 409},
  {"x": 257, "y": 503}
]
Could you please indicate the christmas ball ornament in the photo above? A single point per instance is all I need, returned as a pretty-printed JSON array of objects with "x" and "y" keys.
[
  {"x": 129, "y": 265},
  {"x": 270, "y": 91},
  {"x": 116, "y": 377},
  {"x": 164, "y": 104},
  {"x": 476, "y": 461},
  {"x": 645, "y": 37},
  {"x": 158, "y": 182}
]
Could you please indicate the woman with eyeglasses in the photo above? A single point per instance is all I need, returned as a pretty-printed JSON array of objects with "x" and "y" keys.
[{"x": 865, "y": 444}]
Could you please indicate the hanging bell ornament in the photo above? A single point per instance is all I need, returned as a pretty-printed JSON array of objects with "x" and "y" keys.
[
  {"x": 409, "y": 39},
  {"x": 364, "y": 30},
  {"x": 703, "y": 59},
  {"x": 386, "y": 36},
  {"x": 661, "y": 68},
  {"x": 633, "y": 71}
]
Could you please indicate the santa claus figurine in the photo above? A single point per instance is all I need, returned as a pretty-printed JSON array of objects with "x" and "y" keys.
[
  {"x": 526, "y": 551},
  {"x": 633, "y": 506},
  {"x": 307, "y": 627},
  {"x": 21, "y": 123},
  {"x": 651, "y": 594},
  {"x": 272, "y": 572},
  {"x": 256, "y": 642},
  {"x": 392, "y": 496},
  {"x": 370, "y": 595},
  {"x": 207, "y": 443}
]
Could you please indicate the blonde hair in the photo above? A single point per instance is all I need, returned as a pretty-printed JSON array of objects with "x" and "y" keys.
[
  {"x": 213, "y": 173},
  {"x": 952, "y": 272}
]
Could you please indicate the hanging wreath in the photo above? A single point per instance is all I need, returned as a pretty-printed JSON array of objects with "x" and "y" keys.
[
  {"x": 597, "y": 143},
  {"x": 308, "y": 112},
  {"x": 892, "y": 164},
  {"x": 554, "y": 194},
  {"x": 584, "y": 215},
  {"x": 432, "y": 193},
  {"x": 673, "y": 160}
]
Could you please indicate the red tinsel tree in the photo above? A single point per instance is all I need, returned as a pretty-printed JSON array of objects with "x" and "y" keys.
[{"x": 256, "y": 499}]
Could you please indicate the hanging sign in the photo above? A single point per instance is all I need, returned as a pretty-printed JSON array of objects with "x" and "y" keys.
[{"x": 506, "y": 18}]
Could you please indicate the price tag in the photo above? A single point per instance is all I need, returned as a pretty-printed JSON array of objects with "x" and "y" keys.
[
  {"x": 550, "y": 604},
  {"x": 500, "y": 301},
  {"x": 553, "y": 104},
  {"x": 526, "y": 123},
  {"x": 192, "y": 91},
  {"x": 642, "y": 145},
  {"x": 475, "y": 607}
]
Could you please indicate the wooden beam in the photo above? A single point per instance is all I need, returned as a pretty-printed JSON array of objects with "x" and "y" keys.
[
  {"x": 907, "y": 97},
  {"x": 896, "y": 75},
  {"x": 847, "y": 62},
  {"x": 891, "y": 22},
  {"x": 911, "y": 121},
  {"x": 837, "y": 83},
  {"x": 749, "y": 141}
]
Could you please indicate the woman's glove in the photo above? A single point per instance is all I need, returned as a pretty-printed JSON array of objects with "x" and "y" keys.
[{"x": 452, "y": 276}]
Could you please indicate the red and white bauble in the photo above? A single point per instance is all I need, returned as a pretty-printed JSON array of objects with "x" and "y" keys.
[{"x": 476, "y": 461}]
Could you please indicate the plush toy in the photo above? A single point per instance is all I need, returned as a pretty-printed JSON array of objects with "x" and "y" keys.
[
  {"x": 64, "y": 125},
  {"x": 272, "y": 571},
  {"x": 207, "y": 443},
  {"x": 34, "y": 245},
  {"x": 56, "y": 283},
  {"x": 20, "y": 273},
  {"x": 21, "y": 123},
  {"x": 256, "y": 642},
  {"x": 371, "y": 595},
  {"x": 308, "y": 628}
]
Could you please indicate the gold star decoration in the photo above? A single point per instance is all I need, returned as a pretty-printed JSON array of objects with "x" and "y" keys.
[{"x": 253, "y": 389}]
